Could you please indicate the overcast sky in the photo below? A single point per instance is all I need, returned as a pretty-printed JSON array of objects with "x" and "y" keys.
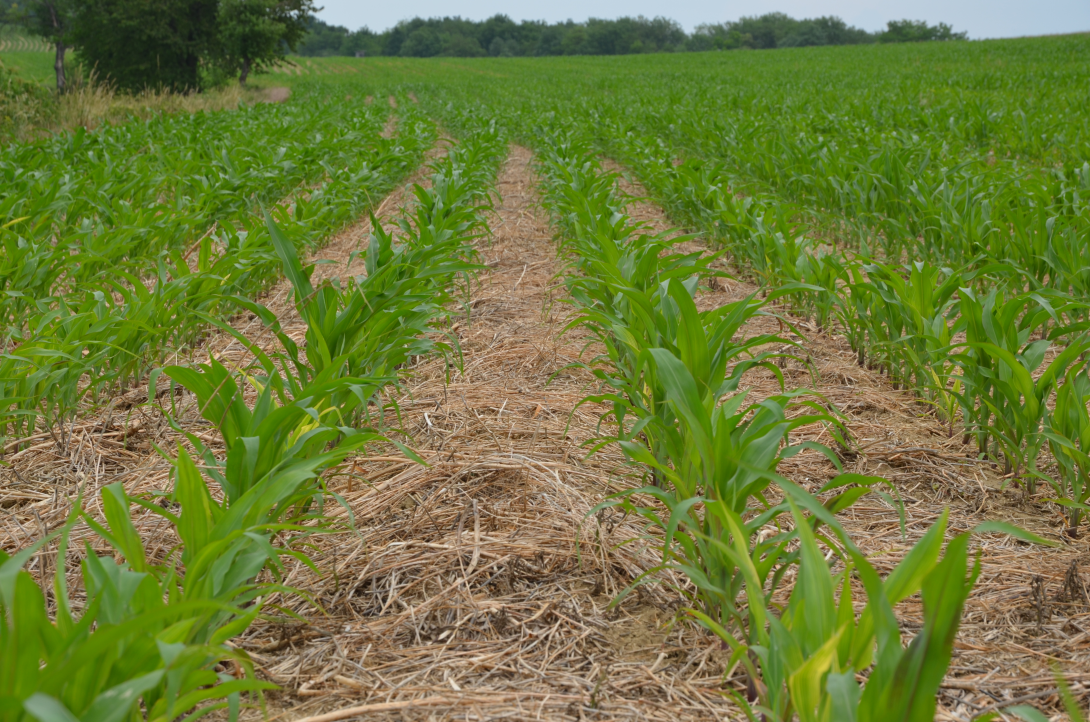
[{"x": 982, "y": 18}]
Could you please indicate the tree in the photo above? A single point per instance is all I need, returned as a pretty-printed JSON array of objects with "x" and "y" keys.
[
  {"x": 255, "y": 34},
  {"x": 323, "y": 39},
  {"x": 421, "y": 43},
  {"x": 575, "y": 41},
  {"x": 915, "y": 31},
  {"x": 52, "y": 20},
  {"x": 460, "y": 46},
  {"x": 137, "y": 44}
]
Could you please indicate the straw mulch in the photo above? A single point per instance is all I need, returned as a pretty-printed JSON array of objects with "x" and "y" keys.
[{"x": 477, "y": 587}]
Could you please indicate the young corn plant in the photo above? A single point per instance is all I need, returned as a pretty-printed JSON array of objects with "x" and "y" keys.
[
  {"x": 825, "y": 272},
  {"x": 1002, "y": 401},
  {"x": 136, "y": 651},
  {"x": 382, "y": 319},
  {"x": 717, "y": 460},
  {"x": 276, "y": 438},
  {"x": 1067, "y": 429},
  {"x": 803, "y": 662},
  {"x": 712, "y": 350},
  {"x": 1018, "y": 403}
]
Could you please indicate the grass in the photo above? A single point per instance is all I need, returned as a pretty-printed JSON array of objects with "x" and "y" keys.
[
  {"x": 33, "y": 65},
  {"x": 89, "y": 104}
]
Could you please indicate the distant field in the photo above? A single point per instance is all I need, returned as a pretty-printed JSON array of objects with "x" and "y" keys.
[
  {"x": 10, "y": 42},
  {"x": 36, "y": 65},
  {"x": 30, "y": 57},
  {"x": 33, "y": 60}
]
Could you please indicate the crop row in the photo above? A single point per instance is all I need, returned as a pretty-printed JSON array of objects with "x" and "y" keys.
[
  {"x": 78, "y": 205},
  {"x": 104, "y": 332},
  {"x": 1009, "y": 364},
  {"x": 905, "y": 199},
  {"x": 150, "y": 638},
  {"x": 717, "y": 509},
  {"x": 968, "y": 280}
]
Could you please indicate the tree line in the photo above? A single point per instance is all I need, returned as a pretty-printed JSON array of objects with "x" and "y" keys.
[
  {"x": 180, "y": 45},
  {"x": 501, "y": 36}
]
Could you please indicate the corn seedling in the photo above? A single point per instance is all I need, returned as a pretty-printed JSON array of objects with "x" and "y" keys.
[
  {"x": 1067, "y": 429},
  {"x": 136, "y": 651}
]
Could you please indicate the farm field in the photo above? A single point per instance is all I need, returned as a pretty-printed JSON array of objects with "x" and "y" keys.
[{"x": 703, "y": 386}]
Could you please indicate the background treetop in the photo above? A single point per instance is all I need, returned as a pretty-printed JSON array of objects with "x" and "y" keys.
[{"x": 501, "y": 36}]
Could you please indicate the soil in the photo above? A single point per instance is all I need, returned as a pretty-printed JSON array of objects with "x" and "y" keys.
[{"x": 275, "y": 95}]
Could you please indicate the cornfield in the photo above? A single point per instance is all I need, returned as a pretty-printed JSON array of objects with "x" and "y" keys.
[{"x": 726, "y": 386}]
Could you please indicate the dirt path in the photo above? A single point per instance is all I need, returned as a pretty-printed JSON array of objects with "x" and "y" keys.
[
  {"x": 466, "y": 584},
  {"x": 278, "y": 94},
  {"x": 1002, "y": 652}
]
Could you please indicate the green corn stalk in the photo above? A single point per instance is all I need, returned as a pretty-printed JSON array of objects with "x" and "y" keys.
[
  {"x": 381, "y": 320},
  {"x": 996, "y": 330},
  {"x": 827, "y": 272},
  {"x": 134, "y": 653},
  {"x": 276, "y": 436},
  {"x": 1018, "y": 404},
  {"x": 77, "y": 346},
  {"x": 1067, "y": 429},
  {"x": 803, "y": 662},
  {"x": 722, "y": 457}
]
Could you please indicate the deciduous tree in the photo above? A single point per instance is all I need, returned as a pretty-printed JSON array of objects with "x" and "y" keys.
[
  {"x": 52, "y": 20},
  {"x": 138, "y": 44},
  {"x": 255, "y": 34}
]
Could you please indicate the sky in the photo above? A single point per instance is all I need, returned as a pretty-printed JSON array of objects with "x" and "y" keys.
[{"x": 981, "y": 18}]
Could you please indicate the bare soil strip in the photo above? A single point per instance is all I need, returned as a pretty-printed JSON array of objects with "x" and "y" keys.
[
  {"x": 1011, "y": 635},
  {"x": 278, "y": 94}
]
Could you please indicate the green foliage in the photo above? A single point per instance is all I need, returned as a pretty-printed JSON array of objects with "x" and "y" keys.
[
  {"x": 500, "y": 36},
  {"x": 900, "y": 230},
  {"x": 182, "y": 45},
  {"x": 24, "y": 105},
  {"x": 129, "y": 303},
  {"x": 138, "y": 644},
  {"x": 253, "y": 35},
  {"x": 153, "y": 630},
  {"x": 1067, "y": 429},
  {"x": 157, "y": 44},
  {"x": 915, "y": 31},
  {"x": 53, "y": 21},
  {"x": 807, "y": 657},
  {"x": 777, "y": 30}
]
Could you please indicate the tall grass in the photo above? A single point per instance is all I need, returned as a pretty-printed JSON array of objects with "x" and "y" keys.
[{"x": 30, "y": 110}]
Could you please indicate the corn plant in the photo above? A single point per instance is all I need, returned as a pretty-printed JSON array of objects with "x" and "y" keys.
[
  {"x": 1067, "y": 429},
  {"x": 136, "y": 651},
  {"x": 708, "y": 343},
  {"x": 382, "y": 319},
  {"x": 803, "y": 662},
  {"x": 1000, "y": 401},
  {"x": 128, "y": 303},
  {"x": 823, "y": 272},
  {"x": 276, "y": 437},
  {"x": 719, "y": 464}
]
